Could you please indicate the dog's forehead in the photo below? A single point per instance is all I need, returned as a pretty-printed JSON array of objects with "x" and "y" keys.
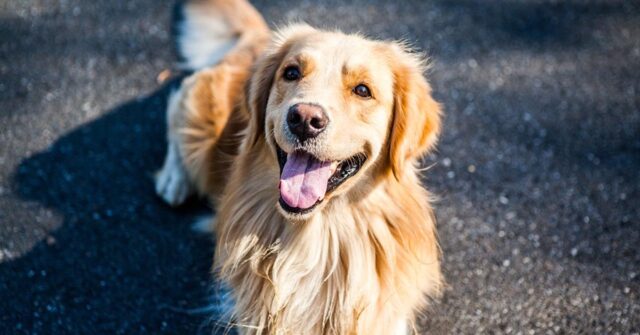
[
  {"x": 344, "y": 52},
  {"x": 335, "y": 46}
]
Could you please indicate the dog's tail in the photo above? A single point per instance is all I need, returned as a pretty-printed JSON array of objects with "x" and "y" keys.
[{"x": 207, "y": 30}]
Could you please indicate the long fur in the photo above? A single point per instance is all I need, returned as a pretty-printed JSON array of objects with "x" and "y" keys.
[
  {"x": 369, "y": 260},
  {"x": 356, "y": 268},
  {"x": 209, "y": 30}
]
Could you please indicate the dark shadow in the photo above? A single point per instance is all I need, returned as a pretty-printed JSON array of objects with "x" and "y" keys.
[{"x": 122, "y": 261}]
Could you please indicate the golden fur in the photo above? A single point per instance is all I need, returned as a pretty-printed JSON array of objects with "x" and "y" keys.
[{"x": 366, "y": 260}]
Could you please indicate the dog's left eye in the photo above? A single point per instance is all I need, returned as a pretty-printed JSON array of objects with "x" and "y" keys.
[
  {"x": 362, "y": 91},
  {"x": 292, "y": 73}
]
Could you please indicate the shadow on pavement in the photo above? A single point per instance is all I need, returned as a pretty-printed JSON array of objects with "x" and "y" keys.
[{"x": 122, "y": 261}]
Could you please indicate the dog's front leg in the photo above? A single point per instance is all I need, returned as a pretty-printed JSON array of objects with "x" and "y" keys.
[{"x": 172, "y": 181}]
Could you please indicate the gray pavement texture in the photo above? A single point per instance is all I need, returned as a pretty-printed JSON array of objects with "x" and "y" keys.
[{"x": 537, "y": 173}]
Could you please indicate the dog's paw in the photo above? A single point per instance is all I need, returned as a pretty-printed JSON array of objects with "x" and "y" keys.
[{"x": 172, "y": 182}]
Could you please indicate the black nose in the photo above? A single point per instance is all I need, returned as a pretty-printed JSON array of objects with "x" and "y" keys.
[{"x": 306, "y": 120}]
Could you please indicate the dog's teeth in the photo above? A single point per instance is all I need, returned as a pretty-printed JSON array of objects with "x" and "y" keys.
[{"x": 334, "y": 167}]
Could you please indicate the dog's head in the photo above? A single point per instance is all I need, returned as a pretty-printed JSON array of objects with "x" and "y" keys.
[{"x": 335, "y": 109}]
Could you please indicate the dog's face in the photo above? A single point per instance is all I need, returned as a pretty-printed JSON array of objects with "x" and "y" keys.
[{"x": 331, "y": 106}]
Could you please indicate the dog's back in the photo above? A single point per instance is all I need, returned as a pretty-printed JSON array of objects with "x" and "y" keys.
[{"x": 220, "y": 39}]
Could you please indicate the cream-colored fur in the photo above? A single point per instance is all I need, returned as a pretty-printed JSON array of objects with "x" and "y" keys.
[
  {"x": 173, "y": 183},
  {"x": 364, "y": 261}
]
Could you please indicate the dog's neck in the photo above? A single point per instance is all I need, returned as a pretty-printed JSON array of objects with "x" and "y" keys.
[{"x": 334, "y": 269}]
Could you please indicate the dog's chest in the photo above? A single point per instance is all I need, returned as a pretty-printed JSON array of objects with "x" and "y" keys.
[{"x": 329, "y": 268}]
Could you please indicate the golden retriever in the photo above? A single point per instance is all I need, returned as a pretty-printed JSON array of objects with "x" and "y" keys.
[{"x": 307, "y": 142}]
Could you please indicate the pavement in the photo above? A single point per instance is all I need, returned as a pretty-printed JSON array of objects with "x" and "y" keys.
[{"x": 537, "y": 173}]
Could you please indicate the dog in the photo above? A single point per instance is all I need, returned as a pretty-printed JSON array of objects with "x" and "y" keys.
[{"x": 307, "y": 142}]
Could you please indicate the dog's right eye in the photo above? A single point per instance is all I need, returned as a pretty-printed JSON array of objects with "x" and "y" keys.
[{"x": 292, "y": 73}]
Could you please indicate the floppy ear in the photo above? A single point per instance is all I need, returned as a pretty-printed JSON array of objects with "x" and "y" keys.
[
  {"x": 263, "y": 77},
  {"x": 416, "y": 115}
]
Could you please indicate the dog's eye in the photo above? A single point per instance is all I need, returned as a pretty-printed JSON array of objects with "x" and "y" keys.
[
  {"x": 292, "y": 73},
  {"x": 362, "y": 91}
]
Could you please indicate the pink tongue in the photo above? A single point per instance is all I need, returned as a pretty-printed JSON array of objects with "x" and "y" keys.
[{"x": 304, "y": 180}]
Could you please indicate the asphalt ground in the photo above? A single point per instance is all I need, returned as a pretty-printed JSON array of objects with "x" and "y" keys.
[{"x": 537, "y": 173}]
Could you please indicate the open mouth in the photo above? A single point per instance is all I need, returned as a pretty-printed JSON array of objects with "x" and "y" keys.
[{"x": 305, "y": 180}]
